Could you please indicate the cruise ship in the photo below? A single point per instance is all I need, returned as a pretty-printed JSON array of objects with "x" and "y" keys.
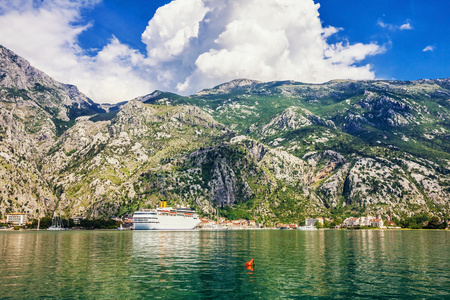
[{"x": 165, "y": 218}]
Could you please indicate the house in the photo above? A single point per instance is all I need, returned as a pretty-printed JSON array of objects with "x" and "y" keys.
[
  {"x": 363, "y": 221},
  {"x": 17, "y": 219},
  {"x": 312, "y": 222},
  {"x": 376, "y": 223},
  {"x": 128, "y": 220},
  {"x": 351, "y": 222},
  {"x": 228, "y": 224},
  {"x": 205, "y": 222},
  {"x": 243, "y": 222},
  {"x": 117, "y": 219},
  {"x": 236, "y": 224},
  {"x": 321, "y": 220}
]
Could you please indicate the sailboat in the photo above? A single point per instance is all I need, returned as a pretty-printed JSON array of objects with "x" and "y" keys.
[{"x": 57, "y": 224}]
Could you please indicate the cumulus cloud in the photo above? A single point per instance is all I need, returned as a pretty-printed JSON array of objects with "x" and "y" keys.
[
  {"x": 270, "y": 40},
  {"x": 45, "y": 33},
  {"x": 428, "y": 48},
  {"x": 191, "y": 45}
]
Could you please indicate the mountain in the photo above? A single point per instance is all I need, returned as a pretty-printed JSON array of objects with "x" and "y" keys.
[
  {"x": 391, "y": 137},
  {"x": 270, "y": 151},
  {"x": 34, "y": 111}
]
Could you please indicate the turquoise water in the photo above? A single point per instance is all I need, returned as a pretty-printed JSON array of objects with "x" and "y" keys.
[{"x": 290, "y": 264}]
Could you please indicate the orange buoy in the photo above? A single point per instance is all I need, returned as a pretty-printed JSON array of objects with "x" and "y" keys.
[{"x": 250, "y": 263}]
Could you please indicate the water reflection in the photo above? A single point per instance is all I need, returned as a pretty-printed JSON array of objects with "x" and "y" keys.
[
  {"x": 205, "y": 264},
  {"x": 58, "y": 264}
]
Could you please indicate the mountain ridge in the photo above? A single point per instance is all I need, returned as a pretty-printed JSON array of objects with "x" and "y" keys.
[{"x": 270, "y": 151}]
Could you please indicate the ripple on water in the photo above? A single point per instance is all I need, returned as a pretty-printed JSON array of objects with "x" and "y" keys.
[{"x": 168, "y": 265}]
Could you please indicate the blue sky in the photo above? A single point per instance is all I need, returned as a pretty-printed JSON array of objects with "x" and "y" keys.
[
  {"x": 404, "y": 58},
  {"x": 124, "y": 19},
  {"x": 116, "y": 50}
]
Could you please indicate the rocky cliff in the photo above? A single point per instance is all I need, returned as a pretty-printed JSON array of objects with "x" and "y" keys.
[{"x": 276, "y": 151}]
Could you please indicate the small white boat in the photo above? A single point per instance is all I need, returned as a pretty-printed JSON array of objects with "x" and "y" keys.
[{"x": 306, "y": 228}]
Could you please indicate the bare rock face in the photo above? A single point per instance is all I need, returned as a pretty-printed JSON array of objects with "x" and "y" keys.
[
  {"x": 34, "y": 111},
  {"x": 245, "y": 84},
  {"x": 276, "y": 151},
  {"x": 16, "y": 72}
]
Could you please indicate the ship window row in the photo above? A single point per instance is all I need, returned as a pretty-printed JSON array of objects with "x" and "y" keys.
[
  {"x": 146, "y": 222},
  {"x": 137, "y": 220}
]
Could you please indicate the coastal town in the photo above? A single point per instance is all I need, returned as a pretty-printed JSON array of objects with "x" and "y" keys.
[{"x": 20, "y": 221}]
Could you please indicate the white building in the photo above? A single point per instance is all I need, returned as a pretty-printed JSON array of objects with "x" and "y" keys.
[
  {"x": 16, "y": 219},
  {"x": 312, "y": 222},
  {"x": 376, "y": 223},
  {"x": 363, "y": 221}
]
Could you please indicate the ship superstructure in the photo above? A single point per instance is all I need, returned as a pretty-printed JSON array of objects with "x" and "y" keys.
[{"x": 165, "y": 218}]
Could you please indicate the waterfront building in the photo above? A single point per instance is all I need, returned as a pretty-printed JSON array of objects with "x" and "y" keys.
[
  {"x": 351, "y": 222},
  {"x": 205, "y": 222},
  {"x": 363, "y": 221},
  {"x": 17, "y": 219},
  {"x": 117, "y": 219},
  {"x": 376, "y": 223},
  {"x": 312, "y": 222}
]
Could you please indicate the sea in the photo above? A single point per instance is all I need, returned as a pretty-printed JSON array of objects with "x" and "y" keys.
[{"x": 288, "y": 264}]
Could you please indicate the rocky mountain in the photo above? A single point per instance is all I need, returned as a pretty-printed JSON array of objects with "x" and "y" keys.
[
  {"x": 34, "y": 111},
  {"x": 276, "y": 151}
]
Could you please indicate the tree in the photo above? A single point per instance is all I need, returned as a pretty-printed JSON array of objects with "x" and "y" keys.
[
  {"x": 336, "y": 222},
  {"x": 44, "y": 223},
  {"x": 435, "y": 223}
]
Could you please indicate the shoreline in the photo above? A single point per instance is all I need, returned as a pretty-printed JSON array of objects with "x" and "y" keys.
[{"x": 225, "y": 229}]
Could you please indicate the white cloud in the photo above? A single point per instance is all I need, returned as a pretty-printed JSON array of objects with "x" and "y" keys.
[
  {"x": 428, "y": 48},
  {"x": 391, "y": 27},
  {"x": 330, "y": 30},
  {"x": 270, "y": 40},
  {"x": 385, "y": 25},
  {"x": 406, "y": 26},
  {"x": 171, "y": 29},
  {"x": 191, "y": 45},
  {"x": 45, "y": 34}
]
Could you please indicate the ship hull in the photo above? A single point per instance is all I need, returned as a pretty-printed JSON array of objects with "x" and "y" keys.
[{"x": 168, "y": 223}]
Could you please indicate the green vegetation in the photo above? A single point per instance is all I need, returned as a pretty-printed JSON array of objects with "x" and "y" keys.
[
  {"x": 99, "y": 223},
  {"x": 422, "y": 221},
  {"x": 336, "y": 149}
]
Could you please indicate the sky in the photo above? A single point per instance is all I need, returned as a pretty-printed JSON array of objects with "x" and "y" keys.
[{"x": 116, "y": 50}]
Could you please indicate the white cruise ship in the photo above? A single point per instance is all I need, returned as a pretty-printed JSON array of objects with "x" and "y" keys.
[{"x": 165, "y": 218}]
